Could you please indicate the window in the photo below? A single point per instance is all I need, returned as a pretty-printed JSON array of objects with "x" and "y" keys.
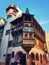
[
  {"x": 25, "y": 28},
  {"x": 9, "y": 16},
  {"x": 32, "y": 56},
  {"x": 40, "y": 58},
  {"x": 7, "y": 32},
  {"x": 25, "y": 34},
  {"x": 37, "y": 56},
  {"x": 9, "y": 43},
  {"x": 28, "y": 29},
  {"x": 12, "y": 54},
  {"x": 15, "y": 41},
  {"x": 30, "y": 35}
]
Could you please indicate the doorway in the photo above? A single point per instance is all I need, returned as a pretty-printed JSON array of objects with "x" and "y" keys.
[
  {"x": 8, "y": 59},
  {"x": 22, "y": 57}
]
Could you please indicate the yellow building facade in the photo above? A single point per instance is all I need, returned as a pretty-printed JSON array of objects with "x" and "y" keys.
[{"x": 47, "y": 41}]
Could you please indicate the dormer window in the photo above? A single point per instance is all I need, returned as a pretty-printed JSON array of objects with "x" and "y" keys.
[{"x": 9, "y": 16}]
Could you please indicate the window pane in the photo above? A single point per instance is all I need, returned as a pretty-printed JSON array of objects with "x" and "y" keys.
[
  {"x": 9, "y": 43},
  {"x": 28, "y": 29},
  {"x": 25, "y": 34}
]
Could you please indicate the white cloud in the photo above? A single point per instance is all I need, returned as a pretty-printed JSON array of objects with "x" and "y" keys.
[{"x": 44, "y": 22}]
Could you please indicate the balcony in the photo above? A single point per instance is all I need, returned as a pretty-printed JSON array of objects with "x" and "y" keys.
[{"x": 27, "y": 47}]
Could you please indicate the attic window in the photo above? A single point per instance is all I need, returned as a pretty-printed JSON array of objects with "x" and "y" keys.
[{"x": 9, "y": 16}]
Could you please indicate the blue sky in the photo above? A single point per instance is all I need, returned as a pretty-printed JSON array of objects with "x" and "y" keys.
[{"x": 40, "y": 9}]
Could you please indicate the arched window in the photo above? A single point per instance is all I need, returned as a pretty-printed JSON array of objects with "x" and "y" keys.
[
  {"x": 37, "y": 56},
  {"x": 32, "y": 56},
  {"x": 40, "y": 58}
]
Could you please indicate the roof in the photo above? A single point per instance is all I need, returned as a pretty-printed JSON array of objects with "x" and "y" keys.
[
  {"x": 12, "y": 6},
  {"x": 27, "y": 17}
]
